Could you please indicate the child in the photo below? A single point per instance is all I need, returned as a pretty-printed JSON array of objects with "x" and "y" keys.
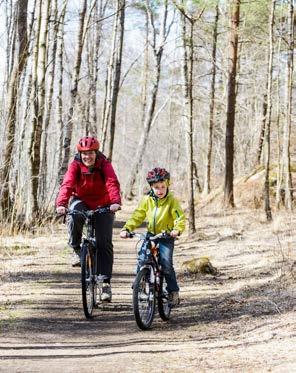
[{"x": 163, "y": 213}]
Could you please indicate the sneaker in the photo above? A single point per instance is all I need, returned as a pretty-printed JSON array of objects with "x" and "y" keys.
[
  {"x": 76, "y": 257},
  {"x": 174, "y": 299},
  {"x": 106, "y": 295}
]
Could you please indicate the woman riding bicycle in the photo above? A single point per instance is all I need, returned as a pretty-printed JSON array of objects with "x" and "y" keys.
[
  {"x": 163, "y": 213},
  {"x": 91, "y": 182}
]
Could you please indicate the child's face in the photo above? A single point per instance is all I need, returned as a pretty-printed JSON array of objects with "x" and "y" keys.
[{"x": 160, "y": 189}]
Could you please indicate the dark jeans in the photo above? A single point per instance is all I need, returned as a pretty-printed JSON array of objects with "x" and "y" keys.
[
  {"x": 103, "y": 232},
  {"x": 166, "y": 249}
]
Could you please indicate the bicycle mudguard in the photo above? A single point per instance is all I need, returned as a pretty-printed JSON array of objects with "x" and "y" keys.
[{"x": 152, "y": 274}]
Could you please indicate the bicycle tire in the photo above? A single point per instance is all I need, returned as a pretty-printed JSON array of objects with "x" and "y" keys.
[
  {"x": 87, "y": 280},
  {"x": 164, "y": 309},
  {"x": 144, "y": 299}
]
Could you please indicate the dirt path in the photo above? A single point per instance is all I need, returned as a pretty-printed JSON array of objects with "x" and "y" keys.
[{"x": 240, "y": 321}]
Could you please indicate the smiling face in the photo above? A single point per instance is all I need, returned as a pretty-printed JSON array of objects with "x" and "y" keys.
[
  {"x": 88, "y": 158},
  {"x": 160, "y": 189}
]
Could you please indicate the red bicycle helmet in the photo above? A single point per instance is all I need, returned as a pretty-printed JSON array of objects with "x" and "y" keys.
[
  {"x": 157, "y": 174},
  {"x": 87, "y": 143}
]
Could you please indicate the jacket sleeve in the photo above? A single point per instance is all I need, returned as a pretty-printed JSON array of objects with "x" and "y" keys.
[
  {"x": 68, "y": 185},
  {"x": 112, "y": 183},
  {"x": 137, "y": 217},
  {"x": 178, "y": 216}
]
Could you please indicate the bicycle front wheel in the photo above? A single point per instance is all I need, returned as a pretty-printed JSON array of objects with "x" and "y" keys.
[
  {"x": 164, "y": 309},
  {"x": 87, "y": 280},
  {"x": 144, "y": 299}
]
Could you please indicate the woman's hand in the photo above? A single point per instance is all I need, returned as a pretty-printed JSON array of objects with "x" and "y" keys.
[
  {"x": 61, "y": 210},
  {"x": 115, "y": 207}
]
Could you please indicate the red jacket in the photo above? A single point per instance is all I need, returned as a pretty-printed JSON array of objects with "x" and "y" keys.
[{"x": 97, "y": 188}]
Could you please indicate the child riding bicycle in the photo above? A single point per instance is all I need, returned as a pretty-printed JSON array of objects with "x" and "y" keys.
[{"x": 163, "y": 213}]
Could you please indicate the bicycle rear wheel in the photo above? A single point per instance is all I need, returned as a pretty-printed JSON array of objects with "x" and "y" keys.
[
  {"x": 87, "y": 280},
  {"x": 163, "y": 305},
  {"x": 144, "y": 299}
]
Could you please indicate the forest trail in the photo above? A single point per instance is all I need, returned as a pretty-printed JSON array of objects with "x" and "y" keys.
[{"x": 240, "y": 321}]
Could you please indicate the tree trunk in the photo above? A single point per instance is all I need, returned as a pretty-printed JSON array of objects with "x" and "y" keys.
[
  {"x": 117, "y": 73},
  {"x": 187, "y": 40},
  {"x": 145, "y": 72},
  {"x": 74, "y": 91},
  {"x": 21, "y": 25},
  {"x": 157, "y": 52},
  {"x": 60, "y": 58},
  {"x": 287, "y": 126},
  {"x": 100, "y": 11},
  {"x": 262, "y": 131},
  {"x": 268, "y": 117},
  {"x": 207, "y": 183},
  {"x": 231, "y": 103},
  {"x": 113, "y": 80},
  {"x": 51, "y": 78},
  {"x": 40, "y": 55}
]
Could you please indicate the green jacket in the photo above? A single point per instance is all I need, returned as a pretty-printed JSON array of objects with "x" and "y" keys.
[{"x": 163, "y": 214}]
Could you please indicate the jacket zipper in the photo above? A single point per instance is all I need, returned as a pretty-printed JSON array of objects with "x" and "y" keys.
[{"x": 154, "y": 217}]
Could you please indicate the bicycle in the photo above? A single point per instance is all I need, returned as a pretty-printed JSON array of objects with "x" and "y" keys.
[
  {"x": 90, "y": 280},
  {"x": 150, "y": 286}
]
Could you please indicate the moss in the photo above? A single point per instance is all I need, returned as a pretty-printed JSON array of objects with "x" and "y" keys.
[{"x": 17, "y": 250}]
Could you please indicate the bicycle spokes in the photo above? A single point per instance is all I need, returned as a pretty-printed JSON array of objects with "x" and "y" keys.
[
  {"x": 144, "y": 299},
  {"x": 87, "y": 281}
]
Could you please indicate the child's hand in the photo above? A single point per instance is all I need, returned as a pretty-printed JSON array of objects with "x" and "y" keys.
[
  {"x": 174, "y": 233},
  {"x": 124, "y": 234}
]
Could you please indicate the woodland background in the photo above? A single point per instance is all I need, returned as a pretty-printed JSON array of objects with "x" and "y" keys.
[{"x": 203, "y": 88}]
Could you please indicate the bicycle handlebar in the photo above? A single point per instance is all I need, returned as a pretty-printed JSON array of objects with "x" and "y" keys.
[
  {"x": 89, "y": 213},
  {"x": 151, "y": 238}
]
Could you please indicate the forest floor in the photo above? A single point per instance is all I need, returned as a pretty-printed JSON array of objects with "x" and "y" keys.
[{"x": 242, "y": 320}]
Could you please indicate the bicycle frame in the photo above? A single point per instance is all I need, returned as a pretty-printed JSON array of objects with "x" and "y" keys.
[
  {"x": 148, "y": 285},
  {"x": 152, "y": 253},
  {"x": 90, "y": 236},
  {"x": 89, "y": 216}
]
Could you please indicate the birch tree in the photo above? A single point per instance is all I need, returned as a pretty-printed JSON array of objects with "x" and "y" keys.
[
  {"x": 48, "y": 109},
  {"x": 20, "y": 23},
  {"x": 39, "y": 69},
  {"x": 231, "y": 101},
  {"x": 187, "y": 25},
  {"x": 113, "y": 79},
  {"x": 68, "y": 128},
  {"x": 207, "y": 182},
  {"x": 289, "y": 105},
  {"x": 157, "y": 49},
  {"x": 94, "y": 44},
  {"x": 267, "y": 207}
]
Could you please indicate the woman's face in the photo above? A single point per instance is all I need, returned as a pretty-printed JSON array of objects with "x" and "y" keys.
[
  {"x": 88, "y": 158},
  {"x": 160, "y": 189}
]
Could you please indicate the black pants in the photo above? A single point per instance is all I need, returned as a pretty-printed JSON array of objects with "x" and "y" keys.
[{"x": 103, "y": 231}]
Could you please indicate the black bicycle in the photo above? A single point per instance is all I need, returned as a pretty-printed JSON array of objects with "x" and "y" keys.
[
  {"x": 149, "y": 286},
  {"x": 91, "y": 282}
]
